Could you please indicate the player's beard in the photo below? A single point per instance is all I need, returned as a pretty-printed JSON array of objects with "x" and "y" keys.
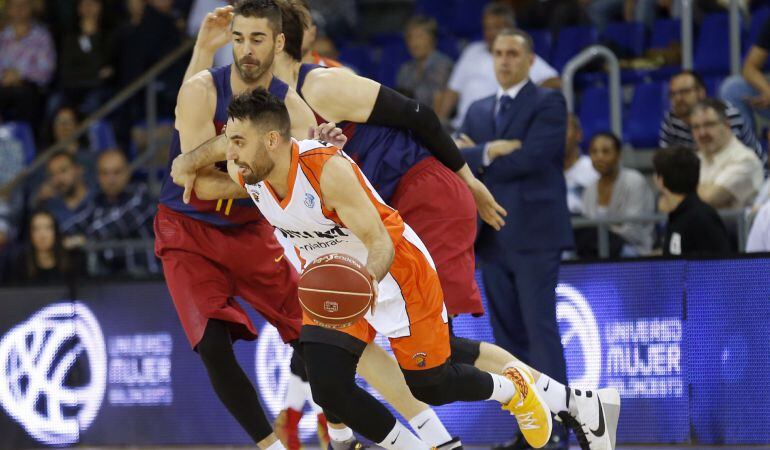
[
  {"x": 254, "y": 174},
  {"x": 251, "y": 75}
]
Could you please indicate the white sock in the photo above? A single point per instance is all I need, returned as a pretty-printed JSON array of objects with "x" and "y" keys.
[
  {"x": 503, "y": 390},
  {"x": 400, "y": 438},
  {"x": 429, "y": 428},
  {"x": 554, "y": 393},
  {"x": 295, "y": 394},
  {"x": 340, "y": 435},
  {"x": 276, "y": 446}
]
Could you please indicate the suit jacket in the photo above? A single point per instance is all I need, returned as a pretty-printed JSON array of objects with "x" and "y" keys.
[{"x": 528, "y": 183}]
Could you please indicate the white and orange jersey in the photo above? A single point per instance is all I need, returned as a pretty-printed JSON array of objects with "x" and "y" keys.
[{"x": 303, "y": 219}]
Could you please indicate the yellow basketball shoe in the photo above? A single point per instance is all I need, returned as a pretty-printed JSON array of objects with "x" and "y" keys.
[{"x": 528, "y": 406}]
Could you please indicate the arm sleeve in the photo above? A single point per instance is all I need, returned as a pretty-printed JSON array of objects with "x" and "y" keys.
[{"x": 395, "y": 110}]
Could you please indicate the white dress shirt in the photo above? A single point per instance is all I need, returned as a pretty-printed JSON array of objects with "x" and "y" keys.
[{"x": 473, "y": 77}]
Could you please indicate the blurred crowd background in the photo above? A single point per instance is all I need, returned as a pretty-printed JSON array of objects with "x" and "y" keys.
[{"x": 88, "y": 209}]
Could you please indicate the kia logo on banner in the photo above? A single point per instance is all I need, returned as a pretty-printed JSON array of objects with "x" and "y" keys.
[{"x": 41, "y": 362}]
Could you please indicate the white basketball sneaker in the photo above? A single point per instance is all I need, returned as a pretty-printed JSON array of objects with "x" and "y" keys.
[{"x": 593, "y": 417}]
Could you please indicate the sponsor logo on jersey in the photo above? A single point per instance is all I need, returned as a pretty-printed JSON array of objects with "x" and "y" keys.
[
  {"x": 309, "y": 200},
  {"x": 331, "y": 233}
]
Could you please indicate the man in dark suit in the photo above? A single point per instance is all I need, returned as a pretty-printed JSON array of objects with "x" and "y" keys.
[{"x": 515, "y": 141}]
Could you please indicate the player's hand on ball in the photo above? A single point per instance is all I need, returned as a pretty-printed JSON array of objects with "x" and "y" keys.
[
  {"x": 490, "y": 211},
  {"x": 375, "y": 292},
  {"x": 215, "y": 31},
  {"x": 183, "y": 174},
  {"x": 328, "y": 132}
]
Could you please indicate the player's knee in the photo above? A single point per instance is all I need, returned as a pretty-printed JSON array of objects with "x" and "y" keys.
[
  {"x": 464, "y": 351},
  {"x": 329, "y": 391},
  {"x": 428, "y": 386},
  {"x": 214, "y": 347}
]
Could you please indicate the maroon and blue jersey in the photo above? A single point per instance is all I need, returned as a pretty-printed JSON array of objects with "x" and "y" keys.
[
  {"x": 223, "y": 212},
  {"x": 384, "y": 154}
]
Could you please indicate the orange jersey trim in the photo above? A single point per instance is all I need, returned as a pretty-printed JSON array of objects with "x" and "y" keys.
[
  {"x": 292, "y": 178},
  {"x": 326, "y": 62}
]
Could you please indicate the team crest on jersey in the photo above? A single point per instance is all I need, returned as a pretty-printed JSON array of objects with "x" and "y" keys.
[
  {"x": 309, "y": 200},
  {"x": 420, "y": 358}
]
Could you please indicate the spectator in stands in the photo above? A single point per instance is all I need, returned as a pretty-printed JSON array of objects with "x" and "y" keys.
[
  {"x": 685, "y": 90},
  {"x": 317, "y": 48},
  {"x": 44, "y": 259},
  {"x": 620, "y": 192},
  {"x": 551, "y": 14},
  {"x": 87, "y": 59},
  {"x": 579, "y": 172},
  {"x": 759, "y": 236},
  {"x": 515, "y": 139},
  {"x": 730, "y": 173},
  {"x": 750, "y": 91},
  {"x": 694, "y": 227},
  {"x": 602, "y": 12},
  {"x": 121, "y": 211},
  {"x": 65, "y": 122},
  {"x": 70, "y": 199},
  {"x": 427, "y": 73},
  {"x": 27, "y": 63},
  {"x": 473, "y": 77}
]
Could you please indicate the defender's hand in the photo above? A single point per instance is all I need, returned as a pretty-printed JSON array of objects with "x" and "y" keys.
[
  {"x": 214, "y": 32},
  {"x": 328, "y": 132},
  {"x": 183, "y": 174}
]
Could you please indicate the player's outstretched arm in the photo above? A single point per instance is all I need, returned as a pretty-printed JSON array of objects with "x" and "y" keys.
[
  {"x": 340, "y": 95},
  {"x": 213, "y": 184},
  {"x": 343, "y": 193}
]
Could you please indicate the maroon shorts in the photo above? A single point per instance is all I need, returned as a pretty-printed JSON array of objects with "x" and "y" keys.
[
  {"x": 440, "y": 209},
  {"x": 206, "y": 267}
]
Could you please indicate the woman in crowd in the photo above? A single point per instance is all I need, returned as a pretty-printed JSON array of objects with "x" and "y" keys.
[
  {"x": 619, "y": 192},
  {"x": 44, "y": 259}
]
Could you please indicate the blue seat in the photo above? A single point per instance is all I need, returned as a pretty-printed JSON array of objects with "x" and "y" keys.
[
  {"x": 465, "y": 18},
  {"x": 642, "y": 121},
  {"x": 359, "y": 58},
  {"x": 22, "y": 134},
  {"x": 392, "y": 57},
  {"x": 758, "y": 19},
  {"x": 449, "y": 46},
  {"x": 570, "y": 42},
  {"x": 712, "y": 85},
  {"x": 712, "y": 48},
  {"x": 543, "y": 41},
  {"x": 101, "y": 136},
  {"x": 441, "y": 10},
  {"x": 629, "y": 37},
  {"x": 664, "y": 32},
  {"x": 594, "y": 111}
]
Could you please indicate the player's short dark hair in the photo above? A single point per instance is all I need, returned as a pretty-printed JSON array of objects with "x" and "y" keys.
[
  {"x": 718, "y": 106},
  {"x": 609, "y": 135},
  {"x": 679, "y": 169},
  {"x": 295, "y": 19},
  {"x": 695, "y": 76},
  {"x": 501, "y": 10},
  {"x": 261, "y": 107},
  {"x": 529, "y": 44},
  {"x": 261, "y": 9}
]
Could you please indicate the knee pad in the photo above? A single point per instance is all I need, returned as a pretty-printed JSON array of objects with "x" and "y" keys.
[
  {"x": 331, "y": 373},
  {"x": 429, "y": 386},
  {"x": 464, "y": 351}
]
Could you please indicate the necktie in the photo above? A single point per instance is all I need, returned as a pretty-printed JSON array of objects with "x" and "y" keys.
[{"x": 504, "y": 104}]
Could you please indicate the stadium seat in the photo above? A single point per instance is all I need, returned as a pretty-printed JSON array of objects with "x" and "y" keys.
[
  {"x": 594, "y": 111},
  {"x": 642, "y": 120},
  {"x": 358, "y": 57},
  {"x": 20, "y": 132},
  {"x": 465, "y": 18},
  {"x": 712, "y": 47},
  {"x": 627, "y": 37},
  {"x": 101, "y": 136},
  {"x": 712, "y": 85},
  {"x": 664, "y": 32},
  {"x": 543, "y": 43},
  {"x": 758, "y": 18},
  {"x": 392, "y": 56},
  {"x": 449, "y": 46},
  {"x": 570, "y": 42},
  {"x": 441, "y": 10}
]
